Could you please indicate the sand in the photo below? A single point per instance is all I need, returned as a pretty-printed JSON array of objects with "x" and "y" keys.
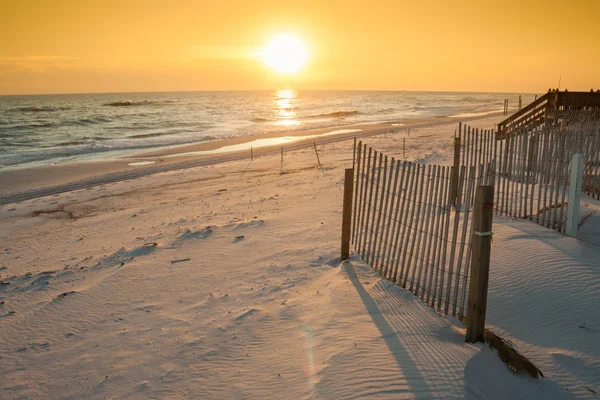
[{"x": 224, "y": 281}]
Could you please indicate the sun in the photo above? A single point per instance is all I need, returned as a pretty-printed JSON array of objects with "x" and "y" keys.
[{"x": 285, "y": 53}]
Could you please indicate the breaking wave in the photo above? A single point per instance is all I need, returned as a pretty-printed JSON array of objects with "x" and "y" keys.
[
  {"x": 128, "y": 103},
  {"x": 40, "y": 109},
  {"x": 335, "y": 114}
]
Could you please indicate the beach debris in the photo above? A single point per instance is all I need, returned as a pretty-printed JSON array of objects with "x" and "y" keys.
[
  {"x": 151, "y": 244},
  {"x": 593, "y": 391},
  {"x": 222, "y": 190},
  {"x": 180, "y": 260},
  {"x": 58, "y": 210},
  {"x": 510, "y": 356},
  {"x": 65, "y": 294},
  {"x": 238, "y": 238}
]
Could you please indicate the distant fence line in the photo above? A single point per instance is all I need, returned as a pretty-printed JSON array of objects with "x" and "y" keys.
[
  {"x": 405, "y": 226},
  {"x": 534, "y": 168}
]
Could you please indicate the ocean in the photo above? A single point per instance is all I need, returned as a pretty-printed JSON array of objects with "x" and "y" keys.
[{"x": 47, "y": 129}]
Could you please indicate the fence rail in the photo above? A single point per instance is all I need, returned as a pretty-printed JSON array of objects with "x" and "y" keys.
[{"x": 406, "y": 226}]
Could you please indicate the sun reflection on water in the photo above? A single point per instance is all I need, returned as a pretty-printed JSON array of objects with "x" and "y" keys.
[{"x": 284, "y": 107}]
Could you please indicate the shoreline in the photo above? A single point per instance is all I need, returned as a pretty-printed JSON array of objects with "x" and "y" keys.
[{"x": 27, "y": 183}]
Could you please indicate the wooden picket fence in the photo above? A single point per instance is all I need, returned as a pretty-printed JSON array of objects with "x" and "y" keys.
[
  {"x": 534, "y": 168},
  {"x": 407, "y": 226}
]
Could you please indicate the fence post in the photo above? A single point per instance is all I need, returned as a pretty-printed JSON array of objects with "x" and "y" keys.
[
  {"x": 480, "y": 262},
  {"x": 317, "y": 153},
  {"x": 574, "y": 195},
  {"x": 281, "y": 167},
  {"x": 454, "y": 178},
  {"x": 347, "y": 212},
  {"x": 251, "y": 154}
]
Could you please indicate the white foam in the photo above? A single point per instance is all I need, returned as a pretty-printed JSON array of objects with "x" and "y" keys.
[
  {"x": 261, "y": 143},
  {"x": 140, "y": 163},
  {"x": 474, "y": 114}
]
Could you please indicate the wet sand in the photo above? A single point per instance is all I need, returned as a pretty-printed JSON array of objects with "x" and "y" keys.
[{"x": 59, "y": 178}]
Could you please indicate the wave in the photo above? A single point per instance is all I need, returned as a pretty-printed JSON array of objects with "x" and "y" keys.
[
  {"x": 40, "y": 109},
  {"x": 89, "y": 121},
  {"x": 131, "y": 103},
  {"x": 336, "y": 114},
  {"x": 87, "y": 147},
  {"x": 73, "y": 143},
  {"x": 128, "y": 103},
  {"x": 387, "y": 111},
  {"x": 150, "y": 135},
  {"x": 38, "y": 125}
]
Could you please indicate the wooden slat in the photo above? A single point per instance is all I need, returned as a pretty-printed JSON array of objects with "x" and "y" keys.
[
  {"x": 360, "y": 224},
  {"x": 401, "y": 191},
  {"x": 369, "y": 202},
  {"x": 463, "y": 241},
  {"x": 426, "y": 230},
  {"x": 387, "y": 212},
  {"x": 410, "y": 231},
  {"x": 443, "y": 246},
  {"x": 380, "y": 214},
  {"x": 453, "y": 241},
  {"x": 505, "y": 181},
  {"x": 375, "y": 214},
  {"x": 433, "y": 228},
  {"x": 499, "y": 178},
  {"x": 408, "y": 206},
  {"x": 357, "y": 176},
  {"x": 564, "y": 183},
  {"x": 417, "y": 225}
]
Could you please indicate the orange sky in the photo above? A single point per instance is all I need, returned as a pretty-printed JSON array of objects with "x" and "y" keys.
[{"x": 71, "y": 46}]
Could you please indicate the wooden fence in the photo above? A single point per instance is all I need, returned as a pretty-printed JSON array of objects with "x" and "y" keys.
[
  {"x": 534, "y": 167},
  {"x": 403, "y": 222},
  {"x": 406, "y": 225}
]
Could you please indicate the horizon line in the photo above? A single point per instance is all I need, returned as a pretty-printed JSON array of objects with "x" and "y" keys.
[{"x": 266, "y": 90}]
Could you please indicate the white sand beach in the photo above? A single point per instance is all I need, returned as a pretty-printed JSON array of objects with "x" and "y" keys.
[{"x": 223, "y": 281}]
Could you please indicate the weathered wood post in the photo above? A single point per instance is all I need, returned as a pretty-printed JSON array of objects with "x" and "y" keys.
[
  {"x": 531, "y": 155},
  {"x": 347, "y": 212},
  {"x": 454, "y": 177},
  {"x": 317, "y": 153},
  {"x": 404, "y": 148},
  {"x": 251, "y": 154},
  {"x": 574, "y": 195},
  {"x": 281, "y": 168},
  {"x": 480, "y": 262}
]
